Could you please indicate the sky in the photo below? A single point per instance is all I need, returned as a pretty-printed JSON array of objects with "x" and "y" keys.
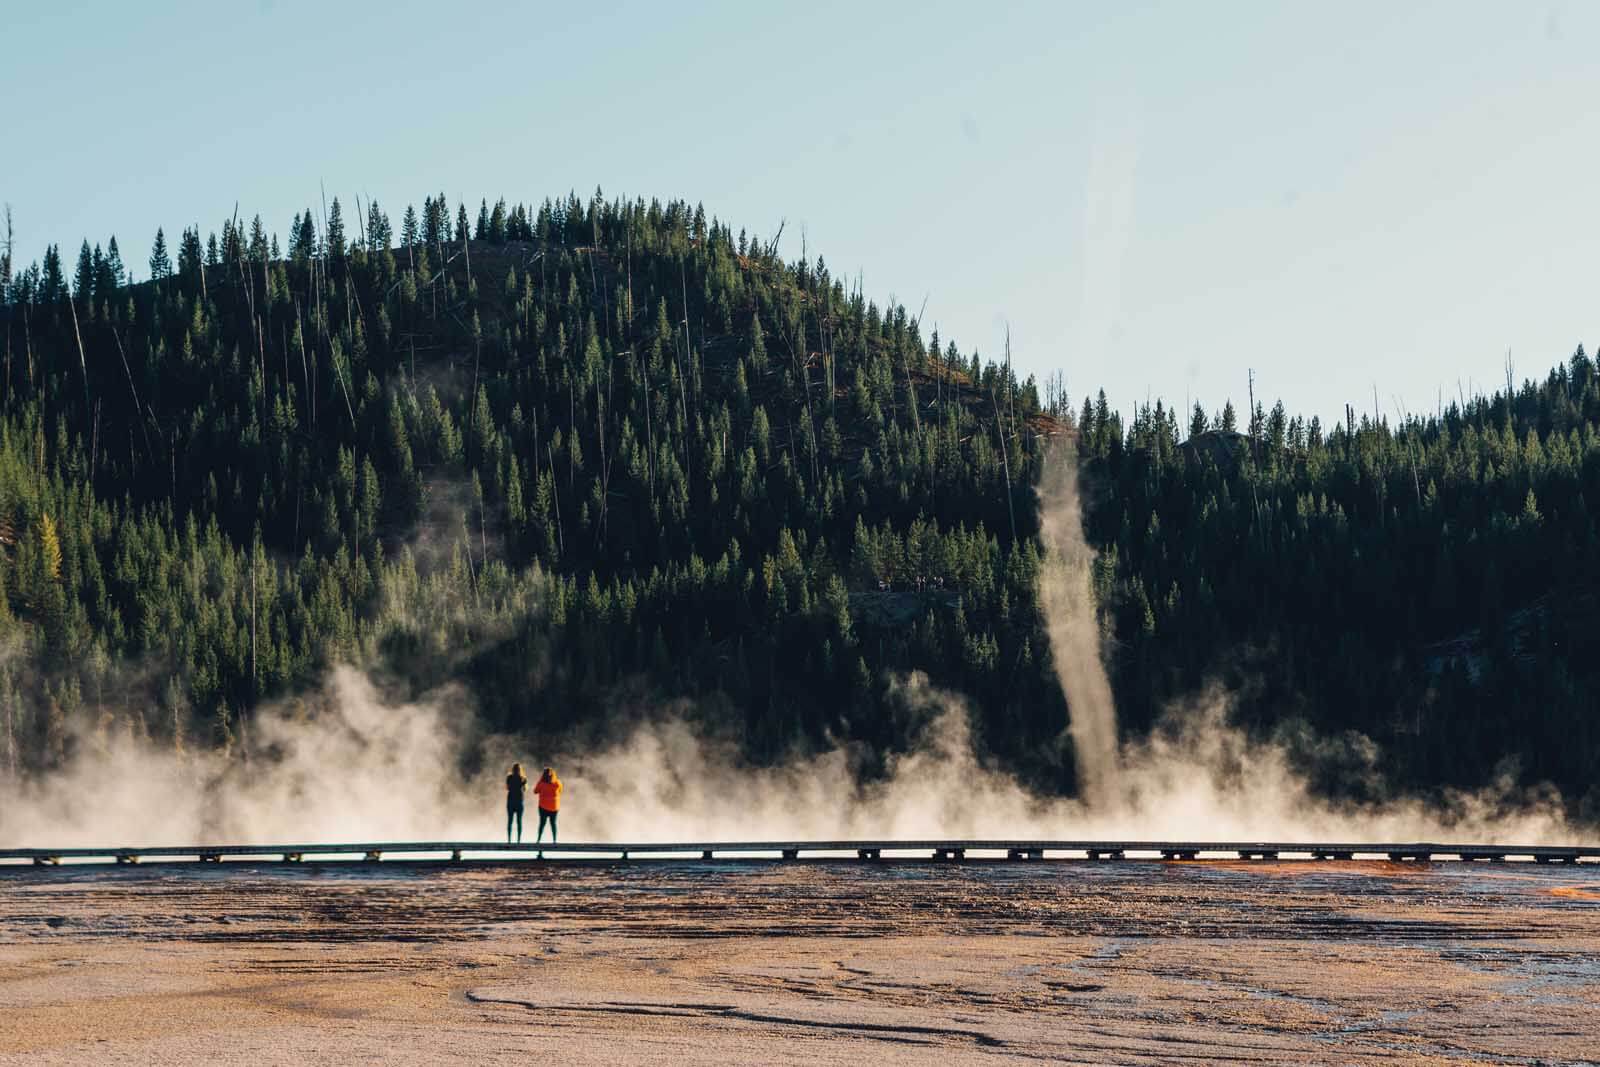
[{"x": 1362, "y": 203}]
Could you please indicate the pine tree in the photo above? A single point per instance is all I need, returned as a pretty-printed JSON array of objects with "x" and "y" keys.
[
  {"x": 258, "y": 241},
  {"x": 49, "y": 549},
  {"x": 497, "y": 222},
  {"x": 118, "y": 273},
  {"x": 160, "y": 261},
  {"x": 83, "y": 281},
  {"x": 336, "y": 245},
  {"x": 105, "y": 276},
  {"x": 53, "y": 283},
  {"x": 303, "y": 239},
  {"x": 432, "y": 224},
  {"x": 190, "y": 254}
]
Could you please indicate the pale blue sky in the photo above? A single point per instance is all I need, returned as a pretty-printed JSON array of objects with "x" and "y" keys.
[{"x": 1157, "y": 197}]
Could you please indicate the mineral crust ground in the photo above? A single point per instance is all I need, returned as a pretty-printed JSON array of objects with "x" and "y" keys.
[{"x": 816, "y": 962}]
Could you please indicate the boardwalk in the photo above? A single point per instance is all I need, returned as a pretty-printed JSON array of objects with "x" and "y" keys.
[{"x": 864, "y": 849}]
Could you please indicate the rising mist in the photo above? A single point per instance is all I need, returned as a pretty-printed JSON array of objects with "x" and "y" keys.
[
  {"x": 1067, "y": 600},
  {"x": 344, "y": 764}
]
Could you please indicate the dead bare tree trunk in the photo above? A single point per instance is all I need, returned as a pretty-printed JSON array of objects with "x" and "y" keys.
[
  {"x": 555, "y": 498},
  {"x": 1405, "y": 425},
  {"x": 138, "y": 408},
  {"x": 683, "y": 385},
  {"x": 6, "y": 261},
  {"x": 200, "y": 260},
  {"x": 83, "y": 363},
  {"x": 305, "y": 365},
  {"x": 1005, "y": 465},
  {"x": 1255, "y": 466},
  {"x": 254, "y": 674},
  {"x": 27, "y": 343}
]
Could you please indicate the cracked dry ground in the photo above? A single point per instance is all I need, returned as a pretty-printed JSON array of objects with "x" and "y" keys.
[{"x": 1131, "y": 962}]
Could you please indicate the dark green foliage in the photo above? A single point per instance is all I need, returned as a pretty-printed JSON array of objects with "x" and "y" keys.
[{"x": 630, "y": 455}]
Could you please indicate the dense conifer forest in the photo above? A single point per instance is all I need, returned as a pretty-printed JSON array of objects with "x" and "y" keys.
[{"x": 590, "y": 457}]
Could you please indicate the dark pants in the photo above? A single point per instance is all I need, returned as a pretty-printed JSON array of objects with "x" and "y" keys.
[
  {"x": 514, "y": 812},
  {"x": 546, "y": 817}
]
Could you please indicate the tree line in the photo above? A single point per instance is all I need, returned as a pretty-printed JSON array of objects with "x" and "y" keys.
[{"x": 597, "y": 454}]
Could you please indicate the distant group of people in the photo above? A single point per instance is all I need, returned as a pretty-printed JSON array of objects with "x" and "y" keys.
[{"x": 547, "y": 789}]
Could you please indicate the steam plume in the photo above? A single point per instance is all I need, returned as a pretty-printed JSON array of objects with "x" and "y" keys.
[
  {"x": 1067, "y": 600},
  {"x": 345, "y": 765},
  {"x": 361, "y": 769}
]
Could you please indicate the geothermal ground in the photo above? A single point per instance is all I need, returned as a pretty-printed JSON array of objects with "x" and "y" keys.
[{"x": 755, "y": 962}]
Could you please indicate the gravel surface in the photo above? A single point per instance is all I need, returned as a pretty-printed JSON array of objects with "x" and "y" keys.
[{"x": 758, "y": 962}]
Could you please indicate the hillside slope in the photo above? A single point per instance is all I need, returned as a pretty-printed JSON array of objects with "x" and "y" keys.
[{"x": 598, "y": 455}]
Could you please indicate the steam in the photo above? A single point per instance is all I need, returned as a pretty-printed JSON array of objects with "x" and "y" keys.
[
  {"x": 347, "y": 765},
  {"x": 1198, "y": 776},
  {"x": 1195, "y": 778},
  {"x": 1067, "y": 600},
  {"x": 343, "y": 766}
]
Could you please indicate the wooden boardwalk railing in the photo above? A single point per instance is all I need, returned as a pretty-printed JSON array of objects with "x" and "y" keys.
[{"x": 868, "y": 849}]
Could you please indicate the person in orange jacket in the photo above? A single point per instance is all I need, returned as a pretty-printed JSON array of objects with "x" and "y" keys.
[{"x": 548, "y": 790}]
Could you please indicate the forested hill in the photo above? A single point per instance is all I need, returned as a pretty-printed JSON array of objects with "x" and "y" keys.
[{"x": 592, "y": 456}]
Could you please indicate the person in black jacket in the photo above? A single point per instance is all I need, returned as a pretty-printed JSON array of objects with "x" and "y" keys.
[{"x": 516, "y": 792}]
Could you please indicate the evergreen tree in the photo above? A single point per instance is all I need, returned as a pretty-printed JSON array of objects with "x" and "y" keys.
[
  {"x": 190, "y": 255},
  {"x": 114, "y": 267},
  {"x": 336, "y": 247},
  {"x": 160, "y": 261},
  {"x": 258, "y": 241},
  {"x": 83, "y": 279},
  {"x": 53, "y": 283}
]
